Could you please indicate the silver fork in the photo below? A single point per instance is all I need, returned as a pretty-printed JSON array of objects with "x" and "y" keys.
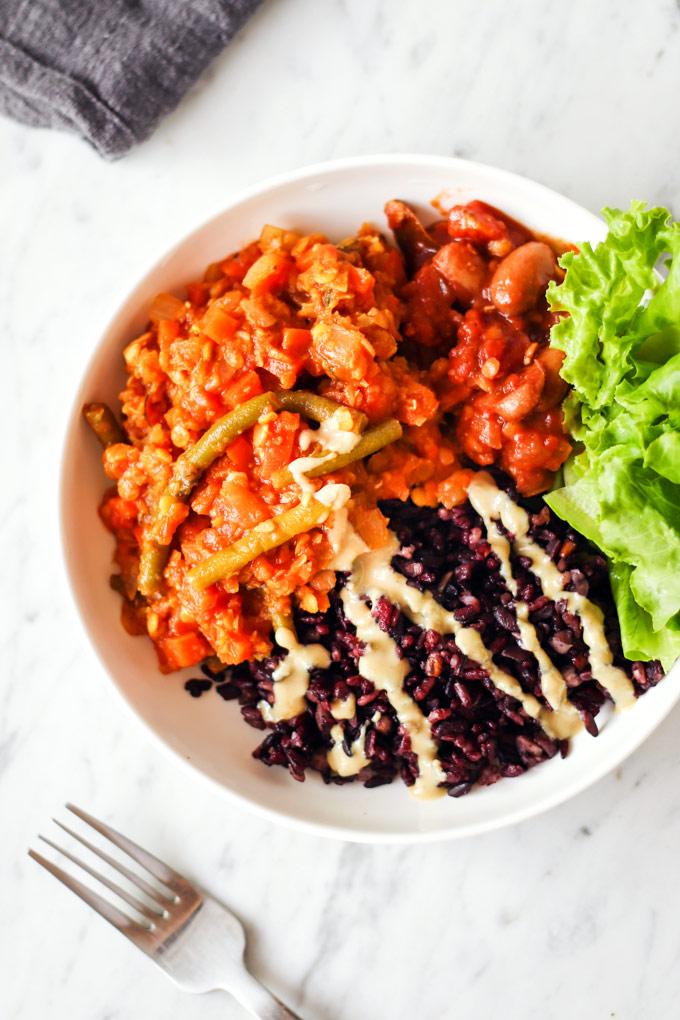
[{"x": 197, "y": 942}]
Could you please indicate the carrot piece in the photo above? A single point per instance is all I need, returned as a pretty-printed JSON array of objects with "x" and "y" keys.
[
  {"x": 218, "y": 324},
  {"x": 242, "y": 389},
  {"x": 268, "y": 273},
  {"x": 361, "y": 281},
  {"x": 285, "y": 366},
  {"x": 168, "y": 330},
  {"x": 184, "y": 650},
  {"x": 296, "y": 341},
  {"x": 372, "y": 527}
]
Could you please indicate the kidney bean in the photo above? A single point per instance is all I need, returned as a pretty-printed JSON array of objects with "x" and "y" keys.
[
  {"x": 411, "y": 236},
  {"x": 464, "y": 270},
  {"x": 521, "y": 278}
]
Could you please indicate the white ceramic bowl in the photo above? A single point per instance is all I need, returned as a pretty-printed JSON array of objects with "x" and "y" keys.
[{"x": 208, "y": 733}]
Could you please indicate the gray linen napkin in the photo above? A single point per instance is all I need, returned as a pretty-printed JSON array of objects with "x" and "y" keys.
[{"x": 108, "y": 69}]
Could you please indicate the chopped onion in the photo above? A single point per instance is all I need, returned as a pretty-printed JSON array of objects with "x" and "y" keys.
[{"x": 165, "y": 306}]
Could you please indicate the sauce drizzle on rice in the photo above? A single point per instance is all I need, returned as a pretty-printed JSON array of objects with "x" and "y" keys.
[
  {"x": 373, "y": 577},
  {"x": 495, "y": 505}
]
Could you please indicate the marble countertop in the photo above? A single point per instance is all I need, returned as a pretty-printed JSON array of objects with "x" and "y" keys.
[{"x": 572, "y": 913}]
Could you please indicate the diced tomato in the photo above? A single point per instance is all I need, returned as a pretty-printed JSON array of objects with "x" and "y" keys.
[
  {"x": 485, "y": 225},
  {"x": 239, "y": 452},
  {"x": 276, "y": 450},
  {"x": 122, "y": 513},
  {"x": 205, "y": 494},
  {"x": 475, "y": 222},
  {"x": 520, "y": 393},
  {"x": 189, "y": 535},
  {"x": 554, "y": 387},
  {"x": 166, "y": 306},
  {"x": 452, "y": 491},
  {"x": 197, "y": 293},
  {"x": 480, "y": 434},
  {"x": 241, "y": 508},
  {"x": 340, "y": 349},
  {"x": 417, "y": 403},
  {"x": 235, "y": 646},
  {"x": 376, "y": 394},
  {"x": 231, "y": 300},
  {"x": 490, "y": 431}
]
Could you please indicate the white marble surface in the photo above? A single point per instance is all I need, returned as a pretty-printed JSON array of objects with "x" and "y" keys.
[{"x": 574, "y": 913}]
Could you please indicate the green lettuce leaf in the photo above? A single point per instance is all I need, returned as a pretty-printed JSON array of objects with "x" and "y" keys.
[
  {"x": 640, "y": 639},
  {"x": 663, "y": 456},
  {"x": 621, "y": 340},
  {"x": 603, "y": 293}
]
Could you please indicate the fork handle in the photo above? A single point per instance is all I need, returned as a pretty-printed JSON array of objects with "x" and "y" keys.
[{"x": 258, "y": 1000}]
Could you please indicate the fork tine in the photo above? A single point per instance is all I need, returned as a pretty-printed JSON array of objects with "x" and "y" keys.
[
  {"x": 157, "y": 868},
  {"x": 131, "y": 900},
  {"x": 134, "y": 931},
  {"x": 142, "y": 885}
]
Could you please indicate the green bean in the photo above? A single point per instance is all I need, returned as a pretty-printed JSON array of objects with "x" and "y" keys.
[
  {"x": 102, "y": 421},
  {"x": 151, "y": 566},
  {"x": 265, "y": 536},
  {"x": 187, "y": 470},
  {"x": 311, "y": 405},
  {"x": 191, "y": 464},
  {"x": 371, "y": 441}
]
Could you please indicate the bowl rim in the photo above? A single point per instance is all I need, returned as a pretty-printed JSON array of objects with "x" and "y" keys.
[{"x": 547, "y": 802}]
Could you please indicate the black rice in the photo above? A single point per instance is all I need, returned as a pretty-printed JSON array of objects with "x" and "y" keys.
[{"x": 482, "y": 735}]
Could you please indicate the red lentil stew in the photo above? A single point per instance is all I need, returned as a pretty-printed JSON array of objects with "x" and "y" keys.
[{"x": 299, "y": 385}]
